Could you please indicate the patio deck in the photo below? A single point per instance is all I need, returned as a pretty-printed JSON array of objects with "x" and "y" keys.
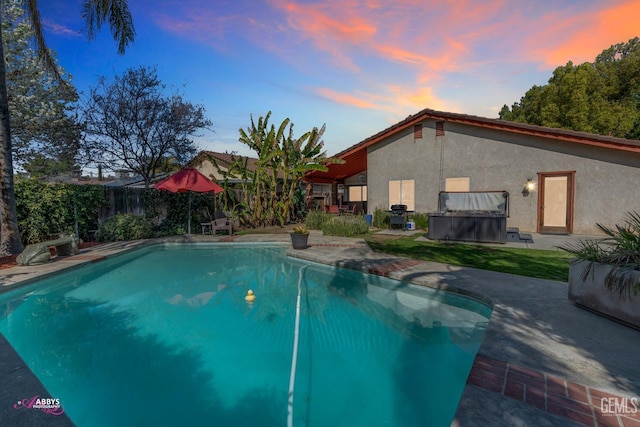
[{"x": 542, "y": 362}]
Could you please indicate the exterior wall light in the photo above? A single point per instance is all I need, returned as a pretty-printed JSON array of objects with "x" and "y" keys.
[{"x": 529, "y": 187}]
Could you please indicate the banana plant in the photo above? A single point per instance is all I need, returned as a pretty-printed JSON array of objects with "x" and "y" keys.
[{"x": 269, "y": 183}]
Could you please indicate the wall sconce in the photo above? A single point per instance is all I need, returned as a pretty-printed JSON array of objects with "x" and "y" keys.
[{"x": 529, "y": 187}]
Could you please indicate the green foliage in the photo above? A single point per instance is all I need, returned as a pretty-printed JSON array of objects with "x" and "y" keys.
[
  {"x": 300, "y": 229},
  {"x": 381, "y": 218},
  {"x": 124, "y": 227},
  {"x": 298, "y": 207},
  {"x": 421, "y": 220},
  {"x": 345, "y": 226},
  {"x": 131, "y": 123},
  {"x": 271, "y": 187},
  {"x": 602, "y": 97},
  {"x": 96, "y": 14},
  {"x": 316, "y": 219},
  {"x": 621, "y": 249},
  {"x": 174, "y": 208},
  {"x": 45, "y": 132},
  {"x": 48, "y": 209}
]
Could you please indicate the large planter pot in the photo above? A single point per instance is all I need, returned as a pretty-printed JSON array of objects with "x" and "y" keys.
[
  {"x": 590, "y": 293},
  {"x": 299, "y": 241}
]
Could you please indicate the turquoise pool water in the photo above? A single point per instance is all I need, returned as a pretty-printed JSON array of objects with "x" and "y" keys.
[{"x": 164, "y": 336}]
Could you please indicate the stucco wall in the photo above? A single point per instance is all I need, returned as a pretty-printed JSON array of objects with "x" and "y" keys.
[
  {"x": 605, "y": 180},
  {"x": 207, "y": 168}
]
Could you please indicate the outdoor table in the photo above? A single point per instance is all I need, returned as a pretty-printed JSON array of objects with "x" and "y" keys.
[{"x": 206, "y": 227}]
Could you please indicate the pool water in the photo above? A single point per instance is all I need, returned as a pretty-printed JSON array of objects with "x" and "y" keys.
[{"x": 164, "y": 336}]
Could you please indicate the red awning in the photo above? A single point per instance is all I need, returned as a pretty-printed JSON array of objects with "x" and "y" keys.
[{"x": 355, "y": 162}]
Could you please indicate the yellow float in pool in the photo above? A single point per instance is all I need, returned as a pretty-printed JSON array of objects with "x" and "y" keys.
[{"x": 250, "y": 296}]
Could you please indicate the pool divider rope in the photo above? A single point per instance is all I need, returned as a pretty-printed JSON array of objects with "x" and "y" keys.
[{"x": 294, "y": 359}]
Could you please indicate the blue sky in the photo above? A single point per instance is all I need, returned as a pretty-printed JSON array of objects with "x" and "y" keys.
[{"x": 356, "y": 66}]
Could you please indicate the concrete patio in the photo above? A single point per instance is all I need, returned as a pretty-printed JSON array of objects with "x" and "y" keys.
[{"x": 542, "y": 362}]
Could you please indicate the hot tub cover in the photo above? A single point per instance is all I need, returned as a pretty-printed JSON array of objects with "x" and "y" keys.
[{"x": 478, "y": 201}]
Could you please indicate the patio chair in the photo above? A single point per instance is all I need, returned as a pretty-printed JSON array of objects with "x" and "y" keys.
[
  {"x": 223, "y": 224},
  {"x": 350, "y": 211},
  {"x": 334, "y": 209}
]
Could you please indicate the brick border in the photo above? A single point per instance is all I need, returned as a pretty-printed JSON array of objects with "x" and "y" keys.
[
  {"x": 390, "y": 267},
  {"x": 549, "y": 393}
]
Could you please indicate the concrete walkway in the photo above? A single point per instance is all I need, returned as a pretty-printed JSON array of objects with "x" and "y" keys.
[{"x": 542, "y": 362}]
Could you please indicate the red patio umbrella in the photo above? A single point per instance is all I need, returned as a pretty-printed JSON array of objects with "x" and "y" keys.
[{"x": 188, "y": 179}]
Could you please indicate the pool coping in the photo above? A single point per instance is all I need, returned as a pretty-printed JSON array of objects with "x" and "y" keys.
[{"x": 533, "y": 329}]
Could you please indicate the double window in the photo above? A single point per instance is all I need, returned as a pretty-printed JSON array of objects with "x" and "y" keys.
[
  {"x": 402, "y": 192},
  {"x": 358, "y": 193}
]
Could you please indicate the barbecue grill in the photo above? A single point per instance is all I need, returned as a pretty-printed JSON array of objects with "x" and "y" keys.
[
  {"x": 470, "y": 216},
  {"x": 398, "y": 216}
]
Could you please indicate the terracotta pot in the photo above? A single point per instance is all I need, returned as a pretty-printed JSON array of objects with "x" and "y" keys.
[{"x": 590, "y": 293}]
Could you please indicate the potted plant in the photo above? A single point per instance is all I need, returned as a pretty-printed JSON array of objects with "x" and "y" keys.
[
  {"x": 605, "y": 276},
  {"x": 299, "y": 237}
]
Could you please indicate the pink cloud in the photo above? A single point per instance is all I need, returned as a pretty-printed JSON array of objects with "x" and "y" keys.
[
  {"x": 580, "y": 38},
  {"x": 424, "y": 42},
  {"x": 203, "y": 26},
  {"x": 397, "y": 100},
  {"x": 59, "y": 29},
  {"x": 344, "y": 98},
  {"x": 425, "y": 35}
]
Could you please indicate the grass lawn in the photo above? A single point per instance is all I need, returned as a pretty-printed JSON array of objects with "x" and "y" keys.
[{"x": 553, "y": 265}]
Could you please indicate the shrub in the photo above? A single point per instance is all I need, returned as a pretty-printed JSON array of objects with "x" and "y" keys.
[
  {"x": 345, "y": 226},
  {"x": 123, "y": 227},
  {"x": 301, "y": 229},
  {"x": 421, "y": 220},
  {"x": 381, "y": 218},
  {"x": 167, "y": 212},
  {"x": 316, "y": 219},
  {"x": 49, "y": 209}
]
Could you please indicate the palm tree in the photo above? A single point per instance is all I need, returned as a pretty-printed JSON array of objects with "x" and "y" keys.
[{"x": 95, "y": 13}]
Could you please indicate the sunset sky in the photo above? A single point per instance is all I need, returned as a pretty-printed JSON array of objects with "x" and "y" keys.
[{"x": 356, "y": 66}]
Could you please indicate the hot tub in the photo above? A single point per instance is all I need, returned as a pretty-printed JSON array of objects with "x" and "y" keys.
[{"x": 470, "y": 216}]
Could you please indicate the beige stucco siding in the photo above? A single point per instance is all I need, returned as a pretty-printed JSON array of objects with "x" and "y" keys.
[
  {"x": 207, "y": 168},
  {"x": 606, "y": 180}
]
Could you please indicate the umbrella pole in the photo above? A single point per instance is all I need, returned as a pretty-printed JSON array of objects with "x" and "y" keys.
[{"x": 189, "y": 218}]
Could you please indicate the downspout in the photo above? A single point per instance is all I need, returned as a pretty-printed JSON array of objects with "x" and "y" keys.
[{"x": 440, "y": 139}]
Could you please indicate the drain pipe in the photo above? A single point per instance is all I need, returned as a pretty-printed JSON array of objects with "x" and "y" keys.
[{"x": 294, "y": 359}]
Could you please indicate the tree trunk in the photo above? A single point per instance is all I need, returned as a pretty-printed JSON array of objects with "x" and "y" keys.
[{"x": 10, "y": 242}]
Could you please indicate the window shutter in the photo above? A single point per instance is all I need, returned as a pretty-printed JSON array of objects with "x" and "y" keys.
[{"x": 439, "y": 128}]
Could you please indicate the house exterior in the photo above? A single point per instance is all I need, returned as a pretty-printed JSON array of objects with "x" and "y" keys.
[
  {"x": 214, "y": 165},
  {"x": 559, "y": 181}
]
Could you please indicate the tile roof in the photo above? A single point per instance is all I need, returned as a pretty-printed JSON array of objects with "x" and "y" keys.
[
  {"x": 356, "y": 154},
  {"x": 515, "y": 127}
]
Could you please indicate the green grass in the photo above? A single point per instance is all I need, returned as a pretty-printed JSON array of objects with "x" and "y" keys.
[{"x": 542, "y": 264}]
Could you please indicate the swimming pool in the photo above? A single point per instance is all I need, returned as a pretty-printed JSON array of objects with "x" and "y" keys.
[{"x": 164, "y": 336}]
